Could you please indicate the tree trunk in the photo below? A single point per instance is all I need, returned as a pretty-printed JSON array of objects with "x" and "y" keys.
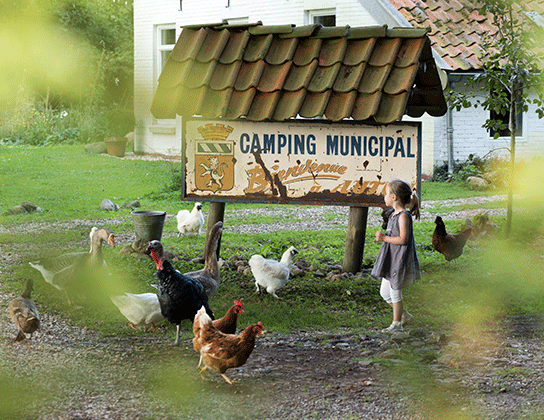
[{"x": 512, "y": 127}]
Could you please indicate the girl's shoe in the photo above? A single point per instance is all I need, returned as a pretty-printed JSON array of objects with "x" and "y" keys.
[
  {"x": 395, "y": 326},
  {"x": 406, "y": 318}
]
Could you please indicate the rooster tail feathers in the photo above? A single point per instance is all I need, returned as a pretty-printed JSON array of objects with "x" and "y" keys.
[{"x": 209, "y": 311}]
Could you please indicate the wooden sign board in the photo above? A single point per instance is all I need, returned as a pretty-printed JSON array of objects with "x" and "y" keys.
[{"x": 298, "y": 162}]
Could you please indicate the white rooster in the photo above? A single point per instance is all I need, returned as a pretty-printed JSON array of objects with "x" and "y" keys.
[
  {"x": 271, "y": 274},
  {"x": 190, "y": 223}
]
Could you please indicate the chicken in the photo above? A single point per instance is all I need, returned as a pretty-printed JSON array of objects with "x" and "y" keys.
[
  {"x": 190, "y": 223},
  {"x": 226, "y": 325},
  {"x": 69, "y": 272},
  {"x": 209, "y": 275},
  {"x": 220, "y": 351},
  {"x": 271, "y": 274},
  {"x": 386, "y": 214},
  {"x": 180, "y": 297},
  {"x": 23, "y": 313},
  {"x": 481, "y": 227},
  {"x": 450, "y": 245},
  {"x": 139, "y": 309}
]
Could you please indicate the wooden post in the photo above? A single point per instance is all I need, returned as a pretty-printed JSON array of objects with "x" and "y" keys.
[
  {"x": 215, "y": 214},
  {"x": 355, "y": 239}
]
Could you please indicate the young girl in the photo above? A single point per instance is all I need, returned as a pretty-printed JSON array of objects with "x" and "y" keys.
[{"x": 397, "y": 265}]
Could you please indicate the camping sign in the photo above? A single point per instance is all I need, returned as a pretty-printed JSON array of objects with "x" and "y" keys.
[{"x": 298, "y": 162}]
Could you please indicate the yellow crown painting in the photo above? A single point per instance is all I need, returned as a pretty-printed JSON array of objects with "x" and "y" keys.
[{"x": 215, "y": 132}]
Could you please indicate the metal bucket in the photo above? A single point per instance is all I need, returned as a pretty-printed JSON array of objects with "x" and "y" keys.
[{"x": 148, "y": 224}]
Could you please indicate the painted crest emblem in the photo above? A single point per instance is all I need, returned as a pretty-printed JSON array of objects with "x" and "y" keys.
[{"x": 214, "y": 158}]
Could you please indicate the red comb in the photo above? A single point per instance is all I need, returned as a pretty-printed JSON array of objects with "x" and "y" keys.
[{"x": 238, "y": 303}]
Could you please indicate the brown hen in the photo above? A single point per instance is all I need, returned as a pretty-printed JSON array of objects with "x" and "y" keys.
[
  {"x": 449, "y": 245},
  {"x": 226, "y": 325},
  {"x": 220, "y": 351}
]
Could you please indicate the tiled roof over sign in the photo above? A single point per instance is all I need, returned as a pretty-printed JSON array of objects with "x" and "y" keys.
[
  {"x": 274, "y": 73},
  {"x": 456, "y": 26}
]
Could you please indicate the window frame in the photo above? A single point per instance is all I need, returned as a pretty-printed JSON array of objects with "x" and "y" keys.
[
  {"x": 505, "y": 119},
  {"x": 312, "y": 14},
  {"x": 159, "y": 60}
]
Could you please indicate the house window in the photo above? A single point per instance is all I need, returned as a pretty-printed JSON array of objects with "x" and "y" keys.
[
  {"x": 504, "y": 119},
  {"x": 165, "y": 39},
  {"x": 326, "y": 17}
]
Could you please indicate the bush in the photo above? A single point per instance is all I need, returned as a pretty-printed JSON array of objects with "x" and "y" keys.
[
  {"x": 120, "y": 122},
  {"x": 35, "y": 125},
  {"x": 473, "y": 166}
]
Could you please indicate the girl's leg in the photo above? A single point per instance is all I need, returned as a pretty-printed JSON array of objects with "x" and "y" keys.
[
  {"x": 385, "y": 290},
  {"x": 397, "y": 304}
]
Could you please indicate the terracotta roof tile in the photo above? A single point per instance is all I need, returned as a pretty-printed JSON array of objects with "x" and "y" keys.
[
  {"x": 323, "y": 78},
  {"x": 374, "y": 78},
  {"x": 249, "y": 75},
  {"x": 200, "y": 74},
  {"x": 239, "y": 104},
  {"x": 332, "y": 51},
  {"x": 281, "y": 50},
  {"x": 215, "y": 102},
  {"x": 385, "y": 51},
  {"x": 289, "y": 105},
  {"x": 299, "y": 77},
  {"x": 263, "y": 106},
  {"x": 314, "y": 104},
  {"x": 401, "y": 79},
  {"x": 273, "y": 77},
  {"x": 366, "y": 105},
  {"x": 349, "y": 78},
  {"x": 307, "y": 50},
  {"x": 213, "y": 45},
  {"x": 456, "y": 27},
  {"x": 257, "y": 47},
  {"x": 234, "y": 50},
  {"x": 359, "y": 51},
  {"x": 340, "y": 105},
  {"x": 282, "y": 72},
  {"x": 225, "y": 75}
]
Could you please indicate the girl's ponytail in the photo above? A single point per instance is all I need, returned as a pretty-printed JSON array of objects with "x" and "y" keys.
[{"x": 414, "y": 206}]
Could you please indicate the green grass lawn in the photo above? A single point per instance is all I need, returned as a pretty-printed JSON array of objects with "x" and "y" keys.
[{"x": 70, "y": 184}]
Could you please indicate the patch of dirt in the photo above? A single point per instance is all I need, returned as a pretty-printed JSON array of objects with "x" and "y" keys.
[{"x": 306, "y": 374}]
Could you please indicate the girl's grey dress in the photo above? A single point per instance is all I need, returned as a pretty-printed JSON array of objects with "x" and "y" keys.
[{"x": 398, "y": 263}]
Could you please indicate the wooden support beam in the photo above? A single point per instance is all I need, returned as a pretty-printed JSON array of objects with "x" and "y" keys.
[
  {"x": 355, "y": 239},
  {"x": 215, "y": 214}
]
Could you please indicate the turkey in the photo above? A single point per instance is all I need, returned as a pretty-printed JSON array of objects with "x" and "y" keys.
[
  {"x": 70, "y": 272},
  {"x": 139, "y": 309},
  {"x": 271, "y": 274},
  {"x": 23, "y": 313},
  {"x": 209, "y": 275},
  {"x": 190, "y": 223},
  {"x": 180, "y": 297}
]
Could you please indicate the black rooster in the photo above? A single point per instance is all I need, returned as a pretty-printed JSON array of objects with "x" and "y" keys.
[{"x": 180, "y": 297}]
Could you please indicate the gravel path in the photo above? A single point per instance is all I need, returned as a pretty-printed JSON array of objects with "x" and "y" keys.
[{"x": 68, "y": 372}]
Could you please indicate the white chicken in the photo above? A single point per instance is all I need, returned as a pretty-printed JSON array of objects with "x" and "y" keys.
[
  {"x": 271, "y": 274},
  {"x": 139, "y": 309},
  {"x": 190, "y": 223}
]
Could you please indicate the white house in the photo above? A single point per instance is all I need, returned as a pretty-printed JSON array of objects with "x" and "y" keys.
[{"x": 157, "y": 25}]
